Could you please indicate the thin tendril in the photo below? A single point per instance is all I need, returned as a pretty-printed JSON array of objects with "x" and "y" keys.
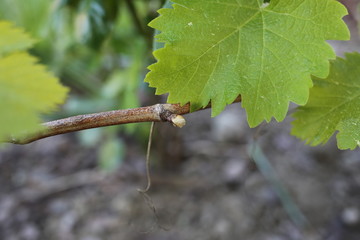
[{"x": 148, "y": 176}]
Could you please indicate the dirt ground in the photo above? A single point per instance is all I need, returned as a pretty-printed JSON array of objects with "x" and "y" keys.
[{"x": 207, "y": 187}]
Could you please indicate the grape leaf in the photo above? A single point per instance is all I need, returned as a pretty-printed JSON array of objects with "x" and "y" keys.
[
  {"x": 13, "y": 39},
  {"x": 26, "y": 88},
  {"x": 334, "y": 105},
  {"x": 215, "y": 50}
]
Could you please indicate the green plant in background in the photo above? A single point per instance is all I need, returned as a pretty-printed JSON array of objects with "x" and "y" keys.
[
  {"x": 96, "y": 50},
  {"x": 84, "y": 43}
]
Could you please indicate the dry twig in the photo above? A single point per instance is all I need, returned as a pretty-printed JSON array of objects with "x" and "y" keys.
[{"x": 155, "y": 113}]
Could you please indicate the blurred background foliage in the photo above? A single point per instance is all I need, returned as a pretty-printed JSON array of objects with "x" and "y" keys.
[{"x": 100, "y": 49}]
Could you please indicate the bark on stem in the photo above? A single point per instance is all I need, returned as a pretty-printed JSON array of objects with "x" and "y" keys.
[{"x": 155, "y": 113}]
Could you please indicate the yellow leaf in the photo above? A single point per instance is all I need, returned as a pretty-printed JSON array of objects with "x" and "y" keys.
[
  {"x": 13, "y": 39},
  {"x": 27, "y": 89}
]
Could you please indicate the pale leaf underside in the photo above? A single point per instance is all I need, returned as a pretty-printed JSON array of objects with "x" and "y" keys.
[{"x": 334, "y": 105}]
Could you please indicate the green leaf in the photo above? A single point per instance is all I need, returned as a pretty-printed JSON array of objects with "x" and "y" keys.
[
  {"x": 215, "y": 50},
  {"x": 13, "y": 39},
  {"x": 26, "y": 88},
  {"x": 334, "y": 105},
  {"x": 157, "y": 45}
]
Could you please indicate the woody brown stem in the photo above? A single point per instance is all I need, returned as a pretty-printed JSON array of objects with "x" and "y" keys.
[{"x": 155, "y": 113}]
